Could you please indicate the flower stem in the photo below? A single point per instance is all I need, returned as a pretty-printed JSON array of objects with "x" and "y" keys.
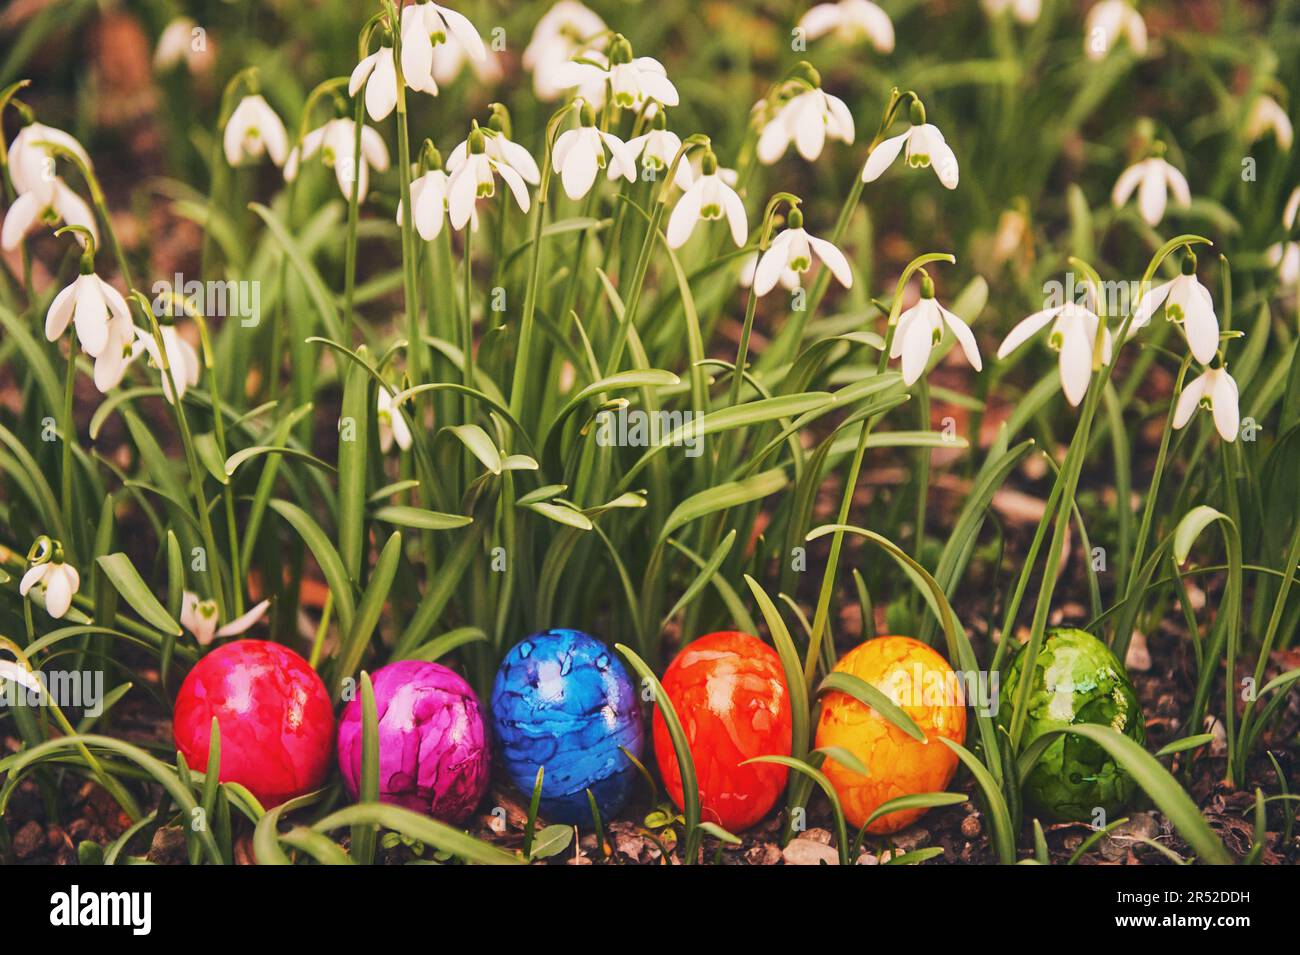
[
  {"x": 227, "y": 491},
  {"x": 354, "y": 205},
  {"x": 69, "y": 435},
  {"x": 415, "y": 346},
  {"x": 191, "y": 456}
]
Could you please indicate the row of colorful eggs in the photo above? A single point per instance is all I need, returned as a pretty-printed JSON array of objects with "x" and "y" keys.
[{"x": 563, "y": 701}]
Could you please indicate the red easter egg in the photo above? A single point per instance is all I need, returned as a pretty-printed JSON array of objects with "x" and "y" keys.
[
  {"x": 729, "y": 692},
  {"x": 277, "y": 722}
]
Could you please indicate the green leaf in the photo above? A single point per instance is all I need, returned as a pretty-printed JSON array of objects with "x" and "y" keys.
[
  {"x": 1184, "y": 744},
  {"x": 551, "y": 841},
  {"x": 419, "y": 518},
  {"x": 791, "y": 665},
  {"x": 681, "y": 749},
  {"x": 331, "y": 564},
  {"x": 723, "y": 496},
  {"x": 227, "y": 470},
  {"x": 868, "y": 695},
  {"x": 354, "y": 454},
  {"x": 363, "y": 836},
  {"x": 1157, "y": 783},
  {"x": 1004, "y": 839},
  {"x": 122, "y": 574},
  {"x": 420, "y": 827},
  {"x": 479, "y": 444},
  {"x": 362, "y": 630},
  {"x": 321, "y": 298},
  {"x": 703, "y": 577}
]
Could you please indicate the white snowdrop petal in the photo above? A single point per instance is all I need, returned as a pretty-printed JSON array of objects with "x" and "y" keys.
[
  {"x": 1226, "y": 404},
  {"x": 833, "y": 259},
  {"x": 685, "y": 215},
  {"x": 883, "y": 156},
  {"x": 1026, "y": 329},
  {"x": 1126, "y": 183},
  {"x": 1153, "y": 195}
]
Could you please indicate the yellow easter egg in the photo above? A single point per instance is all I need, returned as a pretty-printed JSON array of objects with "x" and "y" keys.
[{"x": 921, "y": 683}]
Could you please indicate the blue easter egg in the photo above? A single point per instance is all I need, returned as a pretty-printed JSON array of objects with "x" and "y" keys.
[{"x": 563, "y": 700}]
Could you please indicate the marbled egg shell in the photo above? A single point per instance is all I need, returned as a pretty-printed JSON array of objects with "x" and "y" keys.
[
  {"x": 276, "y": 719},
  {"x": 433, "y": 749},
  {"x": 729, "y": 692},
  {"x": 919, "y": 681},
  {"x": 1076, "y": 679},
  {"x": 563, "y": 700}
]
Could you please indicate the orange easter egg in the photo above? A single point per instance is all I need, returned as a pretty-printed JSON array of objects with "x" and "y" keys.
[
  {"x": 729, "y": 692},
  {"x": 919, "y": 681}
]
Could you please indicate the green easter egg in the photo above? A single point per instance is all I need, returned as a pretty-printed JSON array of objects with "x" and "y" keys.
[{"x": 1076, "y": 679}]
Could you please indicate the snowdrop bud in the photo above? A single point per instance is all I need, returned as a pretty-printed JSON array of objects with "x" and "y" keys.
[
  {"x": 500, "y": 120},
  {"x": 806, "y": 72},
  {"x": 430, "y": 158},
  {"x": 620, "y": 50}
]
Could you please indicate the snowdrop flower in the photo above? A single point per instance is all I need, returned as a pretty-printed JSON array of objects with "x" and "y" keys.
[
  {"x": 43, "y": 197},
  {"x": 1285, "y": 256},
  {"x": 920, "y": 329},
  {"x": 49, "y": 204},
  {"x": 475, "y": 179},
  {"x": 426, "y": 26},
  {"x": 1187, "y": 304},
  {"x": 1153, "y": 179},
  {"x": 850, "y": 20},
  {"x": 500, "y": 149},
  {"x": 199, "y": 617},
  {"x": 392, "y": 425},
  {"x": 1267, "y": 116},
  {"x": 1025, "y": 11},
  {"x": 429, "y": 200},
  {"x": 632, "y": 80},
  {"x": 792, "y": 252},
  {"x": 122, "y": 348},
  {"x": 253, "y": 129},
  {"x": 182, "y": 41},
  {"x": 657, "y": 150},
  {"x": 182, "y": 359},
  {"x": 708, "y": 197},
  {"x": 1074, "y": 332},
  {"x": 1107, "y": 22},
  {"x": 33, "y": 152},
  {"x": 805, "y": 119},
  {"x": 564, "y": 32},
  {"x": 925, "y": 146},
  {"x": 789, "y": 279},
  {"x": 58, "y": 581},
  {"x": 378, "y": 73},
  {"x": 579, "y": 154},
  {"x": 1216, "y": 391},
  {"x": 90, "y": 304},
  {"x": 334, "y": 143}
]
